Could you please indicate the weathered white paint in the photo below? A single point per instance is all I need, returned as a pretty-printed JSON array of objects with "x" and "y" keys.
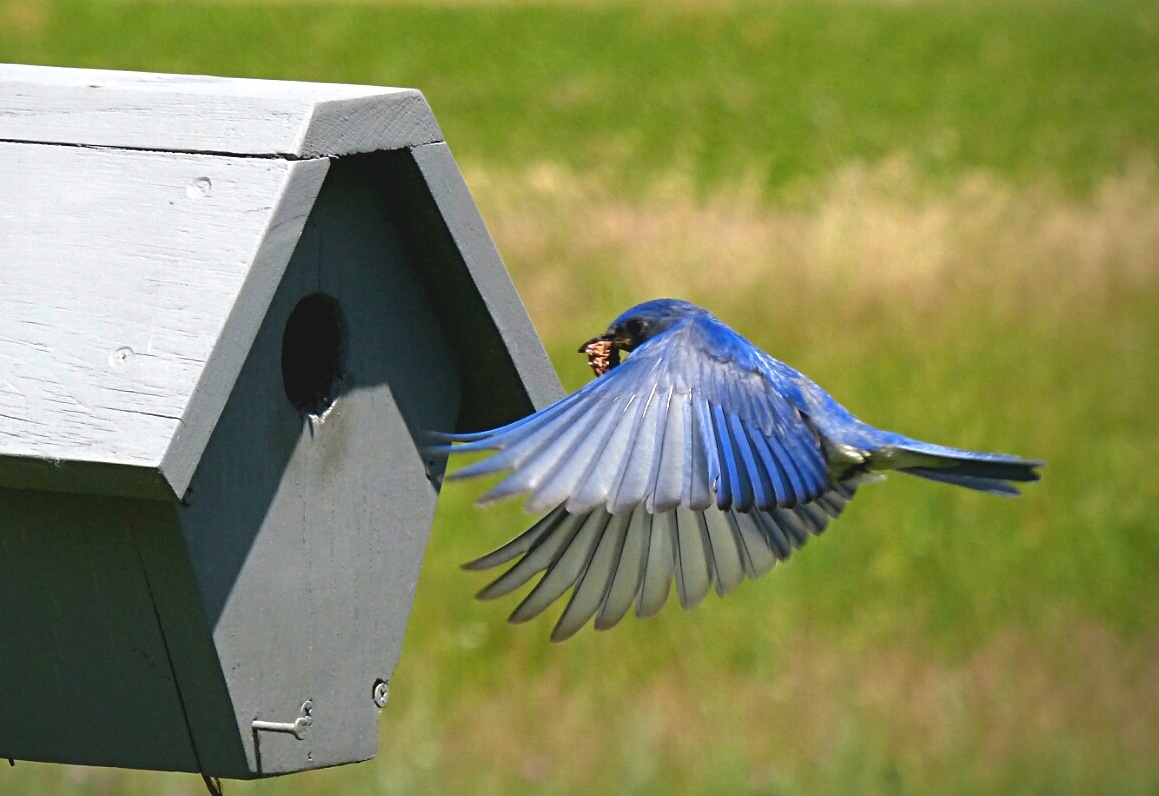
[
  {"x": 118, "y": 272},
  {"x": 191, "y": 113}
]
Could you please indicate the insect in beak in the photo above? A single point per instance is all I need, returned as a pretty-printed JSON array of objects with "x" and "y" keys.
[{"x": 603, "y": 354}]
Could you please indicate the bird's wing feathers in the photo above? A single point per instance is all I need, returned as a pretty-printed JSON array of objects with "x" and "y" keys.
[
  {"x": 614, "y": 561},
  {"x": 699, "y": 459},
  {"x": 693, "y": 417}
]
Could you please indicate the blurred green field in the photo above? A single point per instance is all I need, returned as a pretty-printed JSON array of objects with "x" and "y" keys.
[
  {"x": 947, "y": 213},
  {"x": 783, "y": 91}
]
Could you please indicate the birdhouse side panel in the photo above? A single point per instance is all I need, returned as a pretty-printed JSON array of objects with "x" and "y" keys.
[{"x": 118, "y": 270}]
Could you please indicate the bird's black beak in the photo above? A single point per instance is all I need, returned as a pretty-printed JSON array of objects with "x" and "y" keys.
[{"x": 603, "y": 339}]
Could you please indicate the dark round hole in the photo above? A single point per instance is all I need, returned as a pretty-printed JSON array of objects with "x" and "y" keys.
[{"x": 313, "y": 349}]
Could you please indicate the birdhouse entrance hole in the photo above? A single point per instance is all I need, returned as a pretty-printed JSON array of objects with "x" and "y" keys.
[{"x": 313, "y": 353}]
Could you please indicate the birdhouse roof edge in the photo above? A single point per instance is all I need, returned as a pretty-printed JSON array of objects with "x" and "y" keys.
[{"x": 244, "y": 117}]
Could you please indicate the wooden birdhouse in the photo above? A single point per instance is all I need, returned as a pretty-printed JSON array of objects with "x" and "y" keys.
[{"x": 230, "y": 311}]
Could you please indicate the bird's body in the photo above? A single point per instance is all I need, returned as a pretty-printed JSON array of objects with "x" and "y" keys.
[{"x": 699, "y": 457}]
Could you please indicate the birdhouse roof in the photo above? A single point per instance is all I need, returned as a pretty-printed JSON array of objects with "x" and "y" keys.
[{"x": 146, "y": 223}]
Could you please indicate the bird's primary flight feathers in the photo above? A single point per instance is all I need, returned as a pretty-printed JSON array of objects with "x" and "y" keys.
[{"x": 615, "y": 561}]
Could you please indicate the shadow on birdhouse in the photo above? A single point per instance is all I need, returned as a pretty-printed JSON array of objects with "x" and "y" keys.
[{"x": 230, "y": 310}]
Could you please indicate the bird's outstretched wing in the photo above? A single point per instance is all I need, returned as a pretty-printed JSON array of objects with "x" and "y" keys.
[
  {"x": 693, "y": 418},
  {"x": 615, "y": 561}
]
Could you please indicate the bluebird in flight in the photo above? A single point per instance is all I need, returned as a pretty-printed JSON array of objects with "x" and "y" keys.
[{"x": 697, "y": 457}]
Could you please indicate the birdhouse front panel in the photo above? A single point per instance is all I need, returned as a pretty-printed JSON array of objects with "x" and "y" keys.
[{"x": 307, "y": 517}]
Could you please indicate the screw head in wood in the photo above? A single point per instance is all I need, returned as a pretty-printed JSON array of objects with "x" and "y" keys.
[{"x": 381, "y": 693}]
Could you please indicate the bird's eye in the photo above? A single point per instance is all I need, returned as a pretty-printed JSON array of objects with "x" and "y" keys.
[{"x": 636, "y": 327}]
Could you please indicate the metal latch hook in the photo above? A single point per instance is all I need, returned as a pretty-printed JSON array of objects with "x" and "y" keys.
[{"x": 297, "y": 727}]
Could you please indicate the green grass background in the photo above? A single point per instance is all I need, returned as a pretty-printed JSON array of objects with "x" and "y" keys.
[{"x": 933, "y": 640}]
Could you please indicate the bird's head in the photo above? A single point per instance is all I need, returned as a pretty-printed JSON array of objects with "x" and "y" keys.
[{"x": 632, "y": 328}]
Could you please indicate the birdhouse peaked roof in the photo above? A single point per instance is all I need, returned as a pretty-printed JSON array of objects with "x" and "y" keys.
[{"x": 147, "y": 222}]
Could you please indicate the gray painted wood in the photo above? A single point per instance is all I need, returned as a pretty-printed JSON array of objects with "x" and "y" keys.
[
  {"x": 217, "y": 743},
  {"x": 86, "y": 677},
  {"x": 193, "y": 113},
  {"x": 118, "y": 273},
  {"x": 306, "y": 539},
  {"x": 132, "y": 282},
  {"x": 485, "y": 266},
  {"x": 506, "y": 373},
  {"x": 145, "y": 287},
  {"x": 205, "y": 404},
  {"x": 288, "y": 572}
]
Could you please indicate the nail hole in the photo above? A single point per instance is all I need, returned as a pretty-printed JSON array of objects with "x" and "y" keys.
[{"x": 199, "y": 188}]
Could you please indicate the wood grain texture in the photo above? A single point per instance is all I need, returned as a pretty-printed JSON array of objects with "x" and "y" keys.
[
  {"x": 192, "y": 113},
  {"x": 118, "y": 273},
  {"x": 277, "y": 245}
]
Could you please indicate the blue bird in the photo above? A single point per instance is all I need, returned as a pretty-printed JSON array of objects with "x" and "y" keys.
[{"x": 697, "y": 457}]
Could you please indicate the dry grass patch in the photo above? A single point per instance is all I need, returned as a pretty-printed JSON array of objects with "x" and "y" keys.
[
  {"x": 867, "y": 234},
  {"x": 23, "y": 17}
]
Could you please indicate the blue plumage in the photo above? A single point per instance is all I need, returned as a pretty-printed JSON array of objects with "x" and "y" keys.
[{"x": 698, "y": 457}]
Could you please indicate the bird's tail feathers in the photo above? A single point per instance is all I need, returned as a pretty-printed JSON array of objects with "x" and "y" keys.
[{"x": 986, "y": 472}]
